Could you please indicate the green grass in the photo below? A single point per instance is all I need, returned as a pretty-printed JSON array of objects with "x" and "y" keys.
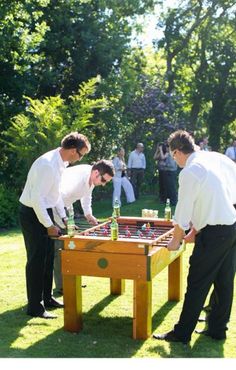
[{"x": 107, "y": 331}]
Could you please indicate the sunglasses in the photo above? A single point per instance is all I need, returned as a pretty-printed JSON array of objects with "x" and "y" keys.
[
  {"x": 173, "y": 153},
  {"x": 103, "y": 180},
  {"x": 80, "y": 154}
]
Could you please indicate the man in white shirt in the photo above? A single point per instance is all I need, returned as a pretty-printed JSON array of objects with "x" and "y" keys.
[
  {"x": 136, "y": 166},
  {"x": 41, "y": 193},
  {"x": 207, "y": 194},
  {"x": 77, "y": 183},
  {"x": 231, "y": 151}
]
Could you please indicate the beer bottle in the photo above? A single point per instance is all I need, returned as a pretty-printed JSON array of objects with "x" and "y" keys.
[
  {"x": 116, "y": 208},
  {"x": 114, "y": 229},
  {"x": 168, "y": 210},
  {"x": 71, "y": 223}
]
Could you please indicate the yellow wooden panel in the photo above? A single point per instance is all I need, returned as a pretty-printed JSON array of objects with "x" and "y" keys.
[
  {"x": 119, "y": 266},
  {"x": 155, "y": 221},
  {"x": 73, "y": 303},
  {"x": 117, "y": 286},
  {"x": 142, "y": 309},
  {"x": 175, "y": 277},
  {"x": 101, "y": 244},
  {"x": 160, "y": 257}
]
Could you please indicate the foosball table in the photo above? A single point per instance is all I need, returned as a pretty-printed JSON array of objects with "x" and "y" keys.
[{"x": 138, "y": 254}]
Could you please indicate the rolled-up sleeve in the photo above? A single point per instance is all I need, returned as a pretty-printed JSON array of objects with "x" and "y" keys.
[
  {"x": 189, "y": 186},
  {"x": 42, "y": 187},
  {"x": 86, "y": 203}
]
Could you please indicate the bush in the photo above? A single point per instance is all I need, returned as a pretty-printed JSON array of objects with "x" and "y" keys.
[{"x": 9, "y": 203}]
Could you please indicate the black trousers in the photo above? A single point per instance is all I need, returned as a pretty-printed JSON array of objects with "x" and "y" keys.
[
  {"x": 40, "y": 257},
  {"x": 136, "y": 178},
  {"x": 167, "y": 186},
  {"x": 212, "y": 262},
  {"x": 162, "y": 186}
]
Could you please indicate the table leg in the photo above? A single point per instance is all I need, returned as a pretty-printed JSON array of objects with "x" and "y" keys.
[
  {"x": 175, "y": 273},
  {"x": 117, "y": 286},
  {"x": 73, "y": 303},
  {"x": 142, "y": 309}
]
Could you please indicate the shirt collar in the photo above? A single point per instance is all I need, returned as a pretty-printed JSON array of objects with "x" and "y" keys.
[
  {"x": 62, "y": 164},
  {"x": 190, "y": 158}
]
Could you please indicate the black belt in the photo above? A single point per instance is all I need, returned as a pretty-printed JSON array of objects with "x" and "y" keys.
[{"x": 24, "y": 206}]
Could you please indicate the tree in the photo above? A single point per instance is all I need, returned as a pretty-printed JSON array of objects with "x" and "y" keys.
[{"x": 200, "y": 52}]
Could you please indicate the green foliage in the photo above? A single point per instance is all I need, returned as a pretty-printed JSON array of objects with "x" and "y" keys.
[
  {"x": 8, "y": 207},
  {"x": 46, "y": 122}
]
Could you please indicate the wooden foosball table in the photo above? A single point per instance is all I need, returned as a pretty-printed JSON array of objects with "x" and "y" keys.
[{"x": 139, "y": 254}]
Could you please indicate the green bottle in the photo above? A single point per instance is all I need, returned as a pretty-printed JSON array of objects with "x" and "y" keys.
[
  {"x": 71, "y": 224},
  {"x": 116, "y": 208},
  {"x": 168, "y": 210},
  {"x": 114, "y": 229}
]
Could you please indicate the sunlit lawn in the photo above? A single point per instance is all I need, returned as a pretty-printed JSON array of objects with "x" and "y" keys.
[{"x": 107, "y": 331}]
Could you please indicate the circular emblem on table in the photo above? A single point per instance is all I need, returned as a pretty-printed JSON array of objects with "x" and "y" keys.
[
  {"x": 102, "y": 263},
  {"x": 71, "y": 245}
]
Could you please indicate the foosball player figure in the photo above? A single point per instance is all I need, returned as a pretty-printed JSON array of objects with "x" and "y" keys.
[
  {"x": 105, "y": 231},
  {"x": 144, "y": 226}
]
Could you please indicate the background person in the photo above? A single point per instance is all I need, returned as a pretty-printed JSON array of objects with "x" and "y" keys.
[
  {"x": 161, "y": 163},
  {"x": 120, "y": 179},
  {"x": 136, "y": 168},
  {"x": 231, "y": 151},
  {"x": 41, "y": 193},
  {"x": 77, "y": 183},
  {"x": 205, "y": 145},
  {"x": 167, "y": 169},
  {"x": 207, "y": 193}
]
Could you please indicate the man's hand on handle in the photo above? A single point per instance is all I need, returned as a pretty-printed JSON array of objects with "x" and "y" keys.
[
  {"x": 53, "y": 230},
  {"x": 177, "y": 238},
  {"x": 92, "y": 220}
]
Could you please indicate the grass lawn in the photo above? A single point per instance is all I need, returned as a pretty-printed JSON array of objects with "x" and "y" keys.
[{"x": 107, "y": 319}]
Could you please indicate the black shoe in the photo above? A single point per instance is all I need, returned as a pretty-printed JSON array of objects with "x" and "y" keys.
[
  {"x": 58, "y": 291},
  {"x": 219, "y": 336},
  {"x": 207, "y": 308},
  {"x": 53, "y": 303},
  {"x": 43, "y": 315},
  {"x": 169, "y": 337}
]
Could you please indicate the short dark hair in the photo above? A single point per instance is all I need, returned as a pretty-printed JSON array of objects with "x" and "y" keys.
[
  {"x": 104, "y": 166},
  {"x": 182, "y": 141},
  {"x": 77, "y": 141}
]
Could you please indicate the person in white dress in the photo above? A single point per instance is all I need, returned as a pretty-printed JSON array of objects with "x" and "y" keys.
[{"x": 120, "y": 180}]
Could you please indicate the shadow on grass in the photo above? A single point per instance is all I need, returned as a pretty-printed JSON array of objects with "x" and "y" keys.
[
  {"x": 203, "y": 347},
  {"x": 101, "y": 337},
  {"x": 162, "y": 312},
  {"x": 208, "y": 347}
]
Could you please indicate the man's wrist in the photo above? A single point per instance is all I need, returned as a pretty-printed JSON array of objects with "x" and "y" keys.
[{"x": 50, "y": 227}]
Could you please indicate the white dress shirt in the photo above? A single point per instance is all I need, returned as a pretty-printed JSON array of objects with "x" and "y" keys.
[
  {"x": 75, "y": 186},
  {"x": 207, "y": 191},
  {"x": 41, "y": 190},
  {"x": 136, "y": 160},
  {"x": 231, "y": 152}
]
